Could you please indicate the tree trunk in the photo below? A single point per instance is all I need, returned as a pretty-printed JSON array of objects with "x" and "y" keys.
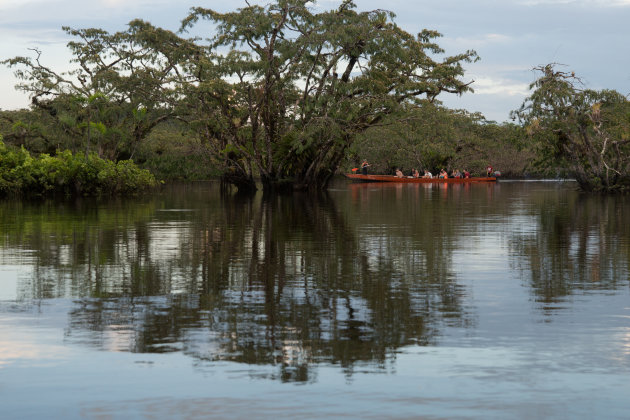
[{"x": 243, "y": 183}]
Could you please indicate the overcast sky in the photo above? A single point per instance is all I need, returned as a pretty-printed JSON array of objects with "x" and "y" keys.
[{"x": 590, "y": 37}]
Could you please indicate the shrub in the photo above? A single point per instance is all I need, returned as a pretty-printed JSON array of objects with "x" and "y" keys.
[{"x": 20, "y": 173}]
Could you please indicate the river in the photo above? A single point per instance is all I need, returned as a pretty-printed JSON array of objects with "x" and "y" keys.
[{"x": 367, "y": 301}]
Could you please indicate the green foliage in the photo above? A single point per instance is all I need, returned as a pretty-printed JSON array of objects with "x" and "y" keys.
[
  {"x": 171, "y": 154},
  {"x": 124, "y": 85},
  {"x": 295, "y": 87},
  {"x": 432, "y": 137},
  {"x": 277, "y": 91},
  {"x": 30, "y": 129},
  {"x": 68, "y": 173},
  {"x": 586, "y": 132}
]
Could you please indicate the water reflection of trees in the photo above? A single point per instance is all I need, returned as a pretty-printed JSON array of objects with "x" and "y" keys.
[
  {"x": 580, "y": 244},
  {"x": 269, "y": 281},
  {"x": 292, "y": 282}
]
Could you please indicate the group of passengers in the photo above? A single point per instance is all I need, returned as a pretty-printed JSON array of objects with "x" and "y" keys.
[{"x": 456, "y": 173}]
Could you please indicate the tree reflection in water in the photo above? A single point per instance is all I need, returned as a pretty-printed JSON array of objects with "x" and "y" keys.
[
  {"x": 579, "y": 244},
  {"x": 294, "y": 282},
  {"x": 264, "y": 280}
]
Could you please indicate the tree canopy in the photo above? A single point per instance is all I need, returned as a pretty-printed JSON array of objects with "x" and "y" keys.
[
  {"x": 582, "y": 130},
  {"x": 277, "y": 92},
  {"x": 282, "y": 91},
  {"x": 121, "y": 86}
]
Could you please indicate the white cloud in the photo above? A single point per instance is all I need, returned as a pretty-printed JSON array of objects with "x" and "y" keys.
[
  {"x": 476, "y": 42},
  {"x": 495, "y": 86},
  {"x": 585, "y": 3},
  {"x": 11, "y": 4},
  {"x": 114, "y": 3}
]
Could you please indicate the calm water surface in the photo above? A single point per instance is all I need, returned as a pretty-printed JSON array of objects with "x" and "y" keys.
[{"x": 370, "y": 301}]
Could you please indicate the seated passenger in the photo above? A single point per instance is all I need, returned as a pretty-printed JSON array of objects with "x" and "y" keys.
[
  {"x": 399, "y": 173},
  {"x": 364, "y": 167}
]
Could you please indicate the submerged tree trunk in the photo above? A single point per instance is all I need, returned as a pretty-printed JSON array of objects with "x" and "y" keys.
[{"x": 242, "y": 183}]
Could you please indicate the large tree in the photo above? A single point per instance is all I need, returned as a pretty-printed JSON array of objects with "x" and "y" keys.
[
  {"x": 121, "y": 86},
  {"x": 281, "y": 91},
  {"x": 584, "y": 131}
]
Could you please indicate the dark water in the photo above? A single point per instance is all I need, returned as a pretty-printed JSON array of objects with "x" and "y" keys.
[{"x": 370, "y": 301}]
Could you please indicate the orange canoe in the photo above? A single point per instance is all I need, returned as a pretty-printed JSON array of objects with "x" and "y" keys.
[{"x": 409, "y": 179}]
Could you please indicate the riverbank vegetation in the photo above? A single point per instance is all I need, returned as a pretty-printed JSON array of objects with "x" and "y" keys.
[
  {"x": 433, "y": 137},
  {"x": 69, "y": 174},
  {"x": 285, "y": 97},
  {"x": 583, "y": 130}
]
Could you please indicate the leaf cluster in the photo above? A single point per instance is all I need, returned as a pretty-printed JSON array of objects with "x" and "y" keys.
[{"x": 22, "y": 174}]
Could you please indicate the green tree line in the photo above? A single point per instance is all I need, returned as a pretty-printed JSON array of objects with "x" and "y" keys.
[{"x": 285, "y": 95}]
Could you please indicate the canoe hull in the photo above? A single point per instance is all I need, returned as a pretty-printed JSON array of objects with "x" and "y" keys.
[{"x": 392, "y": 178}]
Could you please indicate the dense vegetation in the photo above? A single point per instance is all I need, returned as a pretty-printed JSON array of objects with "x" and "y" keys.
[
  {"x": 585, "y": 131},
  {"x": 433, "y": 138},
  {"x": 67, "y": 173},
  {"x": 286, "y": 96},
  {"x": 276, "y": 92}
]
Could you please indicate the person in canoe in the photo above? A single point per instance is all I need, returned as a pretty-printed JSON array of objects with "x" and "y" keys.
[
  {"x": 443, "y": 174},
  {"x": 399, "y": 173},
  {"x": 364, "y": 167},
  {"x": 415, "y": 173},
  {"x": 427, "y": 174}
]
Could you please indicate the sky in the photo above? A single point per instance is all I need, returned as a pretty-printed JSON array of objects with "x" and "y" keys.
[{"x": 511, "y": 37}]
